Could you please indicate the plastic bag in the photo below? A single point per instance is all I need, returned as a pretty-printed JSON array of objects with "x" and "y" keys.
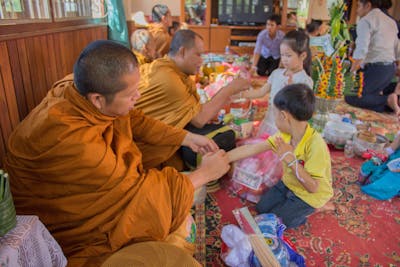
[
  {"x": 267, "y": 125},
  {"x": 254, "y": 175},
  {"x": 237, "y": 250}
]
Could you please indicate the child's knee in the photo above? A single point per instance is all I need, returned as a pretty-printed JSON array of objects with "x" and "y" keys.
[{"x": 291, "y": 222}]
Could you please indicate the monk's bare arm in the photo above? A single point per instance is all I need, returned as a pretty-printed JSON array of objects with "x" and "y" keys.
[
  {"x": 213, "y": 166},
  {"x": 211, "y": 108},
  {"x": 246, "y": 151}
]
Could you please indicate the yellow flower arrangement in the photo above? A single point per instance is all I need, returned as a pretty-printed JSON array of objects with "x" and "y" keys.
[
  {"x": 331, "y": 74},
  {"x": 333, "y": 79}
]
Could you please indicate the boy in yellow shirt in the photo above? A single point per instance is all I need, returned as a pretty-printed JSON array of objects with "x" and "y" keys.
[{"x": 306, "y": 184}]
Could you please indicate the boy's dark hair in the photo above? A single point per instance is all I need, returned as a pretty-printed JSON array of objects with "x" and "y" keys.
[
  {"x": 299, "y": 42},
  {"x": 374, "y": 3},
  {"x": 297, "y": 99},
  {"x": 100, "y": 67},
  {"x": 182, "y": 38},
  {"x": 275, "y": 18}
]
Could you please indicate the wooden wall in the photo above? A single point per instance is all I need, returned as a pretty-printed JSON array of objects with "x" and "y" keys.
[{"x": 29, "y": 65}]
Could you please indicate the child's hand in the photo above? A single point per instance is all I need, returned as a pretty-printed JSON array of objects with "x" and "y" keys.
[
  {"x": 238, "y": 85},
  {"x": 282, "y": 148}
]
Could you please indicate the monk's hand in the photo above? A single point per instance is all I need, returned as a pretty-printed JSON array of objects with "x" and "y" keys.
[
  {"x": 215, "y": 164},
  {"x": 284, "y": 150},
  {"x": 199, "y": 143},
  {"x": 238, "y": 85}
]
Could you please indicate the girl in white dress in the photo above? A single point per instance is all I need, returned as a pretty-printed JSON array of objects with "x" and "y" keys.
[{"x": 296, "y": 62}]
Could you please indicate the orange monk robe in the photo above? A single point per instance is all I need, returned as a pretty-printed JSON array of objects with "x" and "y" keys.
[
  {"x": 168, "y": 95},
  {"x": 161, "y": 37},
  {"x": 81, "y": 172},
  {"x": 142, "y": 59}
]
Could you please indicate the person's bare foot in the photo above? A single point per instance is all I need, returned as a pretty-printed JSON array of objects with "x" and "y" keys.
[
  {"x": 327, "y": 207},
  {"x": 393, "y": 103}
]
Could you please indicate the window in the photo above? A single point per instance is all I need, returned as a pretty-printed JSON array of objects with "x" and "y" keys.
[
  {"x": 31, "y": 11},
  {"x": 14, "y": 10},
  {"x": 66, "y": 9}
]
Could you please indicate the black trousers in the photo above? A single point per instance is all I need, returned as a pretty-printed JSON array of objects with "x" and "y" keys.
[
  {"x": 377, "y": 86},
  {"x": 224, "y": 140},
  {"x": 265, "y": 66}
]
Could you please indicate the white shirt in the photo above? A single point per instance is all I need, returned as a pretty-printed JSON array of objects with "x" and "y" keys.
[
  {"x": 377, "y": 38},
  {"x": 278, "y": 80}
]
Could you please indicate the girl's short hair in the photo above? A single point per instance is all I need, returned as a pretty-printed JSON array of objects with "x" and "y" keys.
[
  {"x": 299, "y": 42},
  {"x": 139, "y": 39},
  {"x": 297, "y": 99}
]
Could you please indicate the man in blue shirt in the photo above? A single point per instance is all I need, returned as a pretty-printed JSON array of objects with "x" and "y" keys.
[{"x": 266, "y": 53}]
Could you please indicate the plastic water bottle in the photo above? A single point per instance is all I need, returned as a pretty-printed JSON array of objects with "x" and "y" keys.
[
  {"x": 227, "y": 50},
  {"x": 221, "y": 115},
  {"x": 348, "y": 149}
]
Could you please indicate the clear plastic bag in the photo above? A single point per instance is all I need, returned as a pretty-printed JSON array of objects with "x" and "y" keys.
[{"x": 254, "y": 175}]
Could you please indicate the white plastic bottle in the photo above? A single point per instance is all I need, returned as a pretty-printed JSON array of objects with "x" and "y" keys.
[{"x": 349, "y": 149}]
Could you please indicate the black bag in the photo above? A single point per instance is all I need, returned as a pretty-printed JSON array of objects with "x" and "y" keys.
[{"x": 222, "y": 135}]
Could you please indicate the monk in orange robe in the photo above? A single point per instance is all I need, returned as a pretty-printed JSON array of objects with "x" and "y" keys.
[
  {"x": 73, "y": 161},
  {"x": 169, "y": 94},
  {"x": 162, "y": 20}
]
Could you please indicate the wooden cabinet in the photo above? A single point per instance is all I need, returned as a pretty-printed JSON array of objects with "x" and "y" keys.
[
  {"x": 241, "y": 39},
  {"x": 219, "y": 38},
  {"x": 204, "y": 32}
]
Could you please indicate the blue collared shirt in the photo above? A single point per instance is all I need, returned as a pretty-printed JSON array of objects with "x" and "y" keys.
[{"x": 267, "y": 47}]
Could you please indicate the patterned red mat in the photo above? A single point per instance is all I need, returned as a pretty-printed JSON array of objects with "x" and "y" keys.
[{"x": 361, "y": 231}]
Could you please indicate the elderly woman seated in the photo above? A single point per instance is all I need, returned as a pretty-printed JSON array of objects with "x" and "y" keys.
[{"x": 143, "y": 46}]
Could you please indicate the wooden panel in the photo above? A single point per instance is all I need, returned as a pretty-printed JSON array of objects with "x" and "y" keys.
[
  {"x": 242, "y": 50},
  {"x": 53, "y": 71},
  {"x": 18, "y": 78},
  {"x": 204, "y": 32},
  {"x": 9, "y": 93},
  {"x": 8, "y": 106},
  {"x": 30, "y": 65},
  {"x": 219, "y": 38},
  {"x": 26, "y": 77},
  {"x": 244, "y": 38}
]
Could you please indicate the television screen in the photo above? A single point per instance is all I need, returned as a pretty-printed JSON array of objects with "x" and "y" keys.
[{"x": 244, "y": 12}]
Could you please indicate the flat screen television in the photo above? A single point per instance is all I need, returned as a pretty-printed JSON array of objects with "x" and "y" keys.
[{"x": 244, "y": 12}]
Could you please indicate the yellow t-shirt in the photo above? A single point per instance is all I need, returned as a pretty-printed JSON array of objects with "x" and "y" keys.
[{"x": 313, "y": 152}]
